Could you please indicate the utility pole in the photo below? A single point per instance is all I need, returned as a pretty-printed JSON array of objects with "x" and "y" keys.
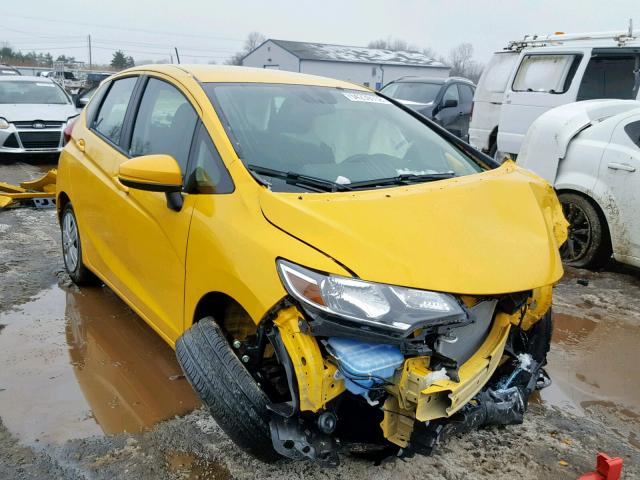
[
  {"x": 177, "y": 55},
  {"x": 89, "y": 43}
]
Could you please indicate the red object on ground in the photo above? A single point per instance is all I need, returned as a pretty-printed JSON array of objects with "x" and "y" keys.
[{"x": 607, "y": 468}]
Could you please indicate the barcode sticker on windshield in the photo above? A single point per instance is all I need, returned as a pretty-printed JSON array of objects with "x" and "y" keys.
[{"x": 365, "y": 97}]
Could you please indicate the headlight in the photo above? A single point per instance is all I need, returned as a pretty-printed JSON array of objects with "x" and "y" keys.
[
  {"x": 4, "y": 124},
  {"x": 385, "y": 306}
]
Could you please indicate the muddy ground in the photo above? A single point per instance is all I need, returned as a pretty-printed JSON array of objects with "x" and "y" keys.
[{"x": 88, "y": 391}]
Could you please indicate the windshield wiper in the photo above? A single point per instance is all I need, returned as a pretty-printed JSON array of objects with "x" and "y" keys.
[
  {"x": 293, "y": 178},
  {"x": 402, "y": 179}
]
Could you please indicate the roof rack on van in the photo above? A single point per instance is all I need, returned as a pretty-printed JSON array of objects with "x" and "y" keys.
[{"x": 619, "y": 37}]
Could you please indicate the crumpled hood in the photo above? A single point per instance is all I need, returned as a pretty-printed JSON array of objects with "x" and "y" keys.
[
  {"x": 489, "y": 233},
  {"x": 27, "y": 112}
]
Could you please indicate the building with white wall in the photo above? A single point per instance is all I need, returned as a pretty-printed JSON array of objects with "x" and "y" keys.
[{"x": 371, "y": 67}]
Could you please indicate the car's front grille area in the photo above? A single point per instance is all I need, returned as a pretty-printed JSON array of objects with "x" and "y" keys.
[
  {"x": 46, "y": 124},
  {"x": 40, "y": 139},
  {"x": 11, "y": 141}
]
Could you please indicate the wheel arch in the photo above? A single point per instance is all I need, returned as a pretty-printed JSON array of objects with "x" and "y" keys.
[
  {"x": 220, "y": 306},
  {"x": 596, "y": 205},
  {"x": 61, "y": 202}
]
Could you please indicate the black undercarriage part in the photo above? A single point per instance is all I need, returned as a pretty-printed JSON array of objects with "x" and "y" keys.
[{"x": 295, "y": 438}]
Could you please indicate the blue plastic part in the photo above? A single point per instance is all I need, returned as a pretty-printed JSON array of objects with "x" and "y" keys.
[{"x": 364, "y": 364}]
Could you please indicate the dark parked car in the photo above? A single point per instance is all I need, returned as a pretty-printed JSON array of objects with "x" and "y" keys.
[{"x": 447, "y": 101}]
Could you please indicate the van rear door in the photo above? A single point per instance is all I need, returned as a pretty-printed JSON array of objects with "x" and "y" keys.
[
  {"x": 488, "y": 99},
  {"x": 542, "y": 80}
]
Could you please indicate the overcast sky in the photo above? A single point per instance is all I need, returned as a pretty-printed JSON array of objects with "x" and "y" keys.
[{"x": 205, "y": 30}]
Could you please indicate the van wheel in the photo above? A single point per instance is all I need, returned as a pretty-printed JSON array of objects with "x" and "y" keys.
[
  {"x": 72, "y": 249},
  {"x": 228, "y": 390},
  {"x": 588, "y": 243}
]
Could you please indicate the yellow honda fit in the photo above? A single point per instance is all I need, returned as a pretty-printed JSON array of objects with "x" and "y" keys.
[{"x": 331, "y": 267}]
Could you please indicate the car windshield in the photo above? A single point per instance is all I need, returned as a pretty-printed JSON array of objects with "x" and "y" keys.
[
  {"x": 413, "y": 91},
  {"x": 331, "y": 134},
  {"x": 39, "y": 92}
]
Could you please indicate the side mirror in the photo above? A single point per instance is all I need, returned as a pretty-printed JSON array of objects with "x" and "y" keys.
[
  {"x": 450, "y": 103},
  {"x": 154, "y": 173},
  {"x": 81, "y": 102}
]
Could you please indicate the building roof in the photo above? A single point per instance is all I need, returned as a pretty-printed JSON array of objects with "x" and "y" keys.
[{"x": 344, "y": 53}]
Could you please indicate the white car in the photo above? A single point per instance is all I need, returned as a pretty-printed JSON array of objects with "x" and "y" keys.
[
  {"x": 590, "y": 152},
  {"x": 539, "y": 73}
]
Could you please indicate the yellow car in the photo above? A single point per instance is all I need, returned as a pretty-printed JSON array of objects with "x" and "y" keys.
[{"x": 331, "y": 267}]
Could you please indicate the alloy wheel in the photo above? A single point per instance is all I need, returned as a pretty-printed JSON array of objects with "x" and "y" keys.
[
  {"x": 579, "y": 236},
  {"x": 70, "y": 242}
]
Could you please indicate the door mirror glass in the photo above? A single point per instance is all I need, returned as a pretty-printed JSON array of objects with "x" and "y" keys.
[
  {"x": 154, "y": 173},
  {"x": 449, "y": 103}
]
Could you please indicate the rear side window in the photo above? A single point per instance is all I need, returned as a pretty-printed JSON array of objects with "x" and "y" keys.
[
  {"x": 110, "y": 117},
  {"x": 207, "y": 172},
  {"x": 633, "y": 130},
  {"x": 609, "y": 77},
  {"x": 546, "y": 73},
  {"x": 164, "y": 124},
  {"x": 466, "y": 93},
  {"x": 498, "y": 72}
]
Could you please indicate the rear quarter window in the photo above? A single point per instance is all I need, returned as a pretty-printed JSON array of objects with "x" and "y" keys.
[
  {"x": 498, "y": 72},
  {"x": 546, "y": 73},
  {"x": 633, "y": 131}
]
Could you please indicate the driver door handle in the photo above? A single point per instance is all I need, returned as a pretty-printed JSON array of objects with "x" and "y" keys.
[
  {"x": 80, "y": 144},
  {"x": 621, "y": 166}
]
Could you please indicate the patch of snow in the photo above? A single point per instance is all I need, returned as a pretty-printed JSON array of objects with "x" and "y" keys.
[
  {"x": 342, "y": 180},
  {"x": 437, "y": 376},
  {"x": 407, "y": 171},
  {"x": 525, "y": 361}
]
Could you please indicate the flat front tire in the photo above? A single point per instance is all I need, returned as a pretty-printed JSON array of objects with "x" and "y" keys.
[
  {"x": 225, "y": 386},
  {"x": 72, "y": 248}
]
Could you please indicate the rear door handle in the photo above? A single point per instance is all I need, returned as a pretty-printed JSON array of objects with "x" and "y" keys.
[{"x": 621, "y": 166}]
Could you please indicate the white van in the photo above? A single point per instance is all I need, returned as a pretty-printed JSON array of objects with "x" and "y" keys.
[{"x": 545, "y": 72}]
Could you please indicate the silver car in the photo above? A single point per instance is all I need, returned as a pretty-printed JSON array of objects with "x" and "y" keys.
[{"x": 33, "y": 114}]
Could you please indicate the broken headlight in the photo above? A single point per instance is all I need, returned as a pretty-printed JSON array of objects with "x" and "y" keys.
[{"x": 378, "y": 304}]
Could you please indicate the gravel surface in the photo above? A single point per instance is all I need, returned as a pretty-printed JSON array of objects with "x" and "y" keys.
[{"x": 559, "y": 439}]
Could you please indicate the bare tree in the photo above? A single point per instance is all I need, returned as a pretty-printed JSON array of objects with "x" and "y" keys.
[
  {"x": 253, "y": 40},
  {"x": 462, "y": 63}
]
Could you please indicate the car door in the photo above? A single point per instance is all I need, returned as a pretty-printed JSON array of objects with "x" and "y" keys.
[
  {"x": 619, "y": 185},
  {"x": 465, "y": 92},
  {"x": 449, "y": 109},
  {"x": 152, "y": 241},
  {"x": 95, "y": 188}
]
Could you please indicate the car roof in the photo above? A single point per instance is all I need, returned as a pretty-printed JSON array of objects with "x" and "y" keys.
[
  {"x": 233, "y": 74},
  {"x": 436, "y": 80},
  {"x": 24, "y": 78}
]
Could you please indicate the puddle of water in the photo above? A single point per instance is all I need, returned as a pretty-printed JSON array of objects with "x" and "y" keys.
[
  {"x": 188, "y": 466},
  {"x": 80, "y": 364},
  {"x": 593, "y": 364}
]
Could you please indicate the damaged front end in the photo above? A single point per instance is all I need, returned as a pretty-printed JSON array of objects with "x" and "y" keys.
[{"x": 393, "y": 368}]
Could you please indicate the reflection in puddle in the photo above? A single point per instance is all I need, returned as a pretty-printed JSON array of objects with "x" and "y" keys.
[
  {"x": 78, "y": 364},
  {"x": 593, "y": 365},
  {"x": 190, "y": 467}
]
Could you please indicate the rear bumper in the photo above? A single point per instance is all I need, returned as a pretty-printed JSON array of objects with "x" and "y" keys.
[{"x": 479, "y": 138}]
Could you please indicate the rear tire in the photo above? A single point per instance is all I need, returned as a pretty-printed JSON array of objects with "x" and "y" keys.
[
  {"x": 72, "y": 249},
  {"x": 227, "y": 389},
  {"x": 588, "y": 244}
]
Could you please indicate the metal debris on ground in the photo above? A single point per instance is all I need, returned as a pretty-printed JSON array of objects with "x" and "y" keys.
[{"x": 39, "y": 192}]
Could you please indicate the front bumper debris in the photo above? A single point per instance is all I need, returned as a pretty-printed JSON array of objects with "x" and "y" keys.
[{"x": 41, "y": 191}]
